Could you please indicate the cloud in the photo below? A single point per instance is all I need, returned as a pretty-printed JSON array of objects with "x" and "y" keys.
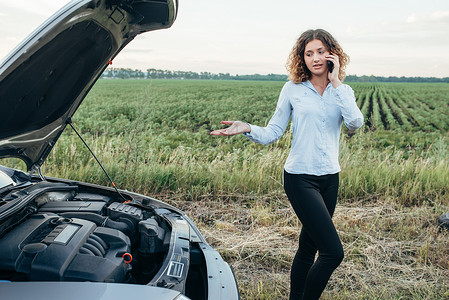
[
  {"x": 417, "y": 31},
  {"x": 400, "y": 46},
  {"x": 139, "y": 50},
  {"x": 440, "y": 16},
  {"x": 43, "y": 8}
]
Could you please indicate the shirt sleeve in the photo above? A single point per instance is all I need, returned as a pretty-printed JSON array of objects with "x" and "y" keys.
[
  {"x": 352, "y": 116},
  {"x": 278, "y": 122}
]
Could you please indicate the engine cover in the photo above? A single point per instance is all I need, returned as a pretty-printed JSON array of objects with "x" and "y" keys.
[{"x": 48, "y": 247}]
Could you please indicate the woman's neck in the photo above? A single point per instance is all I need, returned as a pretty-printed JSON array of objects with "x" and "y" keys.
[
  {"x": 320, "y": 83},
  {"x": 319, "y": 80}
]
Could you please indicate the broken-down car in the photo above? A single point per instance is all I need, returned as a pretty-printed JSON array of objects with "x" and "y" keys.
[{"x": 64, "y": 239}]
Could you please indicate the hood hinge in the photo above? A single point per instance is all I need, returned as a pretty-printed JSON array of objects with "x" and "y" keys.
[{"x": 37, "y": 168}]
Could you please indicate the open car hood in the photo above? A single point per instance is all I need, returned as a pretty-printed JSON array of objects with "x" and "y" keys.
[{"x": 44, "y": 80}]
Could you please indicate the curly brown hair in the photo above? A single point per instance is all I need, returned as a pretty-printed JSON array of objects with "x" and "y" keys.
[{"x": 296, "y": 66}]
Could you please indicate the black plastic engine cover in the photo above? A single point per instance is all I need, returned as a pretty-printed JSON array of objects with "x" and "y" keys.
[{"x": 49, "y": 247}]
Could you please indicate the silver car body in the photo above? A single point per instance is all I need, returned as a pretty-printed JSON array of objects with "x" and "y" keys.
[{"x": 48, "y": 225}]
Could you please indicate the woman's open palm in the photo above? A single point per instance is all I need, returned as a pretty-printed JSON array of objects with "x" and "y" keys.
[{"x": 235, "y": 128}]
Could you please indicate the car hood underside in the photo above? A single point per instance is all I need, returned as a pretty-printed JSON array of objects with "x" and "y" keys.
[{"x": 44, "y": 80}]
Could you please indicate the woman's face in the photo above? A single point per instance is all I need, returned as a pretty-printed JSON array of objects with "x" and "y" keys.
[{"x": 314, "y": 57}]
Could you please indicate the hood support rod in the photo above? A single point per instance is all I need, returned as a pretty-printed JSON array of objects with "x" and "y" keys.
[{"x": 69, "y": 122}]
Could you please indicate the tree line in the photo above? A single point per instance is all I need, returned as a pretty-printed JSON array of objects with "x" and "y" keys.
[
  {"x": 126, "y": 73},
  {"x": 372, "y": 78}
]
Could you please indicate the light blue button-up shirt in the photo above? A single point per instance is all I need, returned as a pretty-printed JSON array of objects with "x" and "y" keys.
[{"x": 316, "y": 122}]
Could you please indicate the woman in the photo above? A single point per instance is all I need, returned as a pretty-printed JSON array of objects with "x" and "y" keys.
[{"x": 317, "y": 102}]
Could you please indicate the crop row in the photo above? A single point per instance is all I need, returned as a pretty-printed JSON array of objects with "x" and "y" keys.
[{"x": 409, "y": 107}]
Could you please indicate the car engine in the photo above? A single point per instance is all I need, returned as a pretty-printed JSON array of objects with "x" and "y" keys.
[{"x": 74, "y": 236}]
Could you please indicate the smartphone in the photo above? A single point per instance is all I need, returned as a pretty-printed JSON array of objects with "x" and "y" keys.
[{"x": 330, "y": 66}]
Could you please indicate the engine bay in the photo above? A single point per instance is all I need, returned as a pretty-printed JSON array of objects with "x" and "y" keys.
[{"x": 64, "y": 234}]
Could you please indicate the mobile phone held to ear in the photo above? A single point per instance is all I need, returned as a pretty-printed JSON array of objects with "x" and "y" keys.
[{"x": 330, "y": 66}]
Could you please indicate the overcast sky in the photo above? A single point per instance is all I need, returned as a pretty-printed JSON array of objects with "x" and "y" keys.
[{"x": 382, "y": 37}]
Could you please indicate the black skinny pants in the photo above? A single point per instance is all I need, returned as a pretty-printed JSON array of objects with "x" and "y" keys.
[{"x": 313, "y": 199}]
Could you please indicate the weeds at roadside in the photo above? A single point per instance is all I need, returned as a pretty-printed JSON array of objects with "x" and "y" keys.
[{"x": 391, "y": 251}]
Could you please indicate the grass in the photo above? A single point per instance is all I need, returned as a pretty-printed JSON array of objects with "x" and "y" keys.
[
  {"x": 153, "y": 138},
  {"x": 412, "y": 177},
  {"x": 391, "y": 251}
]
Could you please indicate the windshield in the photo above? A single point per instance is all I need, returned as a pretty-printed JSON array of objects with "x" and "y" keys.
[{"x": 5, "y": 180}]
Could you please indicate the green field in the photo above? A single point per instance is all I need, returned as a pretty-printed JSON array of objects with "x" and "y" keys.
[{"x": 153, "y": 138}]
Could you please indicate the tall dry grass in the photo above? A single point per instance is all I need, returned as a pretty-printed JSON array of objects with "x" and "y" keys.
[
  {"x": 411, "y": 177},
  {"x": 391, "y": 251}
]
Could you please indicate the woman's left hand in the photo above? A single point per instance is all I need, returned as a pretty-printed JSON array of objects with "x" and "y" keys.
[{"x": 333, "y": 77}]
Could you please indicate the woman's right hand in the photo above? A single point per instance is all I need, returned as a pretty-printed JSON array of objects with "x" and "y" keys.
[{"x": 235, "y": 128}]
